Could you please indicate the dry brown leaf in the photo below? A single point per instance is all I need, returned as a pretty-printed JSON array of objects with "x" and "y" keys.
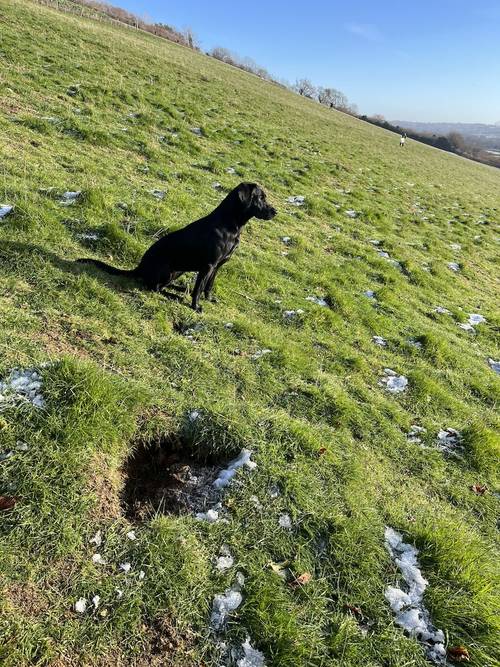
[
  {"x": 479, "y": 489},
  {"x": 458, "y": 654},
  {"x": 321, "y": 451},
  {"x": 7, "y": 502},
  {"x": 301, "y": 580},
  {"x": 355, "y": 611}
]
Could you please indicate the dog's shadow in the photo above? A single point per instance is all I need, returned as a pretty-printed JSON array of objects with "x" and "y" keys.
[{"x": 17, "y": 259}]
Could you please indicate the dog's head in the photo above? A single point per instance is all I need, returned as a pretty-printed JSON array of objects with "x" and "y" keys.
[{"x": 253, "y": 199}]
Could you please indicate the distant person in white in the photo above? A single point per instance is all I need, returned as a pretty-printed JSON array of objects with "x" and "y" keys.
[{"x": 403, "y": 139}]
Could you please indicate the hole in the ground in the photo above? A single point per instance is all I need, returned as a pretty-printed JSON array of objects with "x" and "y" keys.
[{"x": 164, "y": 478}]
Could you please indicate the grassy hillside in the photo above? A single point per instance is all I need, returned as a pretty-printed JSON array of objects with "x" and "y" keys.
[{"x": 142, "y": 394}]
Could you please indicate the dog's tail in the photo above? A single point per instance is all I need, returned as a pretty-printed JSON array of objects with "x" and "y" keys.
[{"x": 131, "y": 273}]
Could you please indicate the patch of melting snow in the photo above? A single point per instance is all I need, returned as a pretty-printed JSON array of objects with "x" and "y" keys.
[
  {"x": 22, "y": 386},
  {"x": 131, "y": 535},
  {"x": 415, "y": 343},
  {"x": 225, "y": 476},
  {"x": 97, "y": 539},
  {"x": 455, "y": 246},
  {"x": 125, "y": 567},
  {"x": 5, "y": 209},
  {"x": 441, "y": 310},
  {"x": 81, "y": 605},
  {"x": 473, "y": 321},
  {"x": 393, "y": 382},
  {"x": 494, "y": 365},
  {"x": 296, "y": 200},
  {"x": 227, "y": 602},
  {"x": 408, "y": 606},
  {"x": 96, "y": 600},
  {"x": 216, "y": 185},
  {"x": 290, "y": 314},
  {"x": 351, "y": 213},
  {"x": 285, "y": 521},
  {"x": 383, "y": 254},
  {"x": 448, "y": 440},
  {"x": 88, "y": 236},
  {"x": 286, "y": 240},
  {"x": 197, "y": 130},
  {"x": 370, "y": 294},
  {"x": 252, "y": 657},
  {"x": 230, "y": 170},
  {"x": 211, "y": 516},
  {"x": 225, "y": 560},
  {"x": 453, "y": 266},
  {"x": 414, "y": 434},
  {"x": 70, "y": 197},
  {"x": 97, "y": 559},
  {"x": 374, "y": 241},
  {"x": 158, "y": 194},
  {"x": 378, "y": 340},
  {"x": 317, "y": 300},
  {"x": 260, "y": 353}
]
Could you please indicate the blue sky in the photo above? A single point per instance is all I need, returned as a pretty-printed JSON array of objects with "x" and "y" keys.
[{"x": 425, "y": 60}]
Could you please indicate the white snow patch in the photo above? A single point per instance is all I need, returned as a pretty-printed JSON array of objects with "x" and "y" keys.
[
  {"x": 285, "y": 521},
  {"x": 441, "y": 310},
  {"x": 374, "y": 241},
  {"x": 476, "y": 318},
  {"x": 286, "y": 240},
  {"x": 97, "y": 559},
  {"x": 317, "y": 300},
  {"x": 131, "y": 535},
  {"x": 81, "y": 605},
  {"x": 211, "y": 516},
  {"x": 224, "y": 563},
  {"x": 296, "y": 200},
  {"x": 351, "y": 213},
  {"x": 260, "y": 353},
  {"x": 126, "y": 567},
  {"x": 383, "y": 254},
  {"x": 453, "y": 266},
  {"x": 70, "y": 197},
  {"x": 455, "y": 246},
  {"x": 225, "y": 476},
  {"x": 252, "y": 657},
  {"x": 415, "y": 343},
  {"x": 290, "y": 314},
  {"x": 97, "y": 539},
  {"x": 378, "y": 340},
  {"x": 230, "y": 170},
  {"x": 194, "y": 415},
  {"x": 5, "y": 209},
  {"x": 393, "y": 382},
  {"x": 448, "y": 440},
  {"x": 414, "y": 434},
  {"x": 197, "y": 130},
  {"x": 216, "y": 185},
  {"x": 88, "y": 236},
  {"x": 158, "y": 194},
  {"x": 408, "y": 606},
  {"x": 494, "y": 365},
  {"x": 369, "y": 293},
  {"x": 227, "y": 602},
  {"x": 22, "y": 386},
  {"x": 96, "y": 600}
]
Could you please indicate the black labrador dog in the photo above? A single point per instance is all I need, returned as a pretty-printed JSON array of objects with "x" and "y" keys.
[{"x": 203, "y": 246}]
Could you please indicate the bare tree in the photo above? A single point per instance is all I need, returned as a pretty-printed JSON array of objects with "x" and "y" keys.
[{"x": 305, "y": 87}]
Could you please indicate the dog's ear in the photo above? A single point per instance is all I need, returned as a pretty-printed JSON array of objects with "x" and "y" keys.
[{"x": 245, "y": 193}]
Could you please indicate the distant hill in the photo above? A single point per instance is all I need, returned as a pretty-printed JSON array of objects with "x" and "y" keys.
[{"x": 472, "y": 130}]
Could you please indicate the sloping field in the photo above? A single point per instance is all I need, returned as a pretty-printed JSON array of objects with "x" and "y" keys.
[{"x": 110, "y": 450}]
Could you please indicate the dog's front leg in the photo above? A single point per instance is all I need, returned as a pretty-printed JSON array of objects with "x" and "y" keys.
[{"x": 199, "y": 285}]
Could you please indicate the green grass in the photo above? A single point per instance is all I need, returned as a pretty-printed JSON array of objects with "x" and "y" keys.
[{"x": 312, "y": 411}]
